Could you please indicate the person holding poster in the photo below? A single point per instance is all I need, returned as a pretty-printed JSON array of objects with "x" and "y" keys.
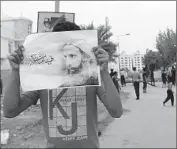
[{"x": 69, "y": 114}]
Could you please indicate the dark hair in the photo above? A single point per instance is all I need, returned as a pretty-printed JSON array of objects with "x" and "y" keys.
[
  {"x": 112, "y": 69},
  {"x": 134, "y": 68},
  {"x": 144, "y": 69},
  {"x": 115, "y": 72},
  {"x": 65, "y": 26}
]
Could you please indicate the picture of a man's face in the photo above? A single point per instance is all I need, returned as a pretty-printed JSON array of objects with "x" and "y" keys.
[
  {"x": 47, "y": 24},
  {"x": 73, "y": 59}
]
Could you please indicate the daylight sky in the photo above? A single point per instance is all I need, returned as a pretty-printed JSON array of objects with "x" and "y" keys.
[{"x": 142, "y": 19}]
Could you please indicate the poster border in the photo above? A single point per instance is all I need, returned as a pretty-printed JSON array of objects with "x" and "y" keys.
[{"x": 53, "y": 12}]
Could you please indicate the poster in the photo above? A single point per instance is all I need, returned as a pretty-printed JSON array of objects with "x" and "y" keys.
[
  {"x": 59, "y": 60},
  {"x": 47, "y": 20}
]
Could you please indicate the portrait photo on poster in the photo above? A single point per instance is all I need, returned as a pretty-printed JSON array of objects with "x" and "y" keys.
[
  {"x": 47, "y": 20},
  {"x": 59, "y": 60}
]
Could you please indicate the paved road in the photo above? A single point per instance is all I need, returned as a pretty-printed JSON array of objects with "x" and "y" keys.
[{"x": 145, "y": 124}]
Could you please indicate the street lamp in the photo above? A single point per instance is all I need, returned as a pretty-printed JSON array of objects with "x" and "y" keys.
[{"x": 119, "y": 46}]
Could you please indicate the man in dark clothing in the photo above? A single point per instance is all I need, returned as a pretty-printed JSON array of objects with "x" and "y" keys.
[
  {"x": 144, "y": 81},
  {"x": 115, "y": 80},
  {"x": 164, "y": 78},
  {"x": 0, "y": 86},
  {"x": 169, "y": 92},
  {"x": 112, "y": 73},
  {"x": 173, "y": 72},
  {"x": 152, "y": 78}
]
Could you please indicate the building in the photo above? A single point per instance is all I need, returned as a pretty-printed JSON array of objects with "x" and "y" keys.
[
  {"x": 137, "y": 60},
  {"x": 125, "y": 61},
  {"x": 13, "y": 33},
  {"x": 128, "y": 61}
]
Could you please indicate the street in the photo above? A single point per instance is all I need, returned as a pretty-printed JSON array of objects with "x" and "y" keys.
[{"x": 146, "y": 124}]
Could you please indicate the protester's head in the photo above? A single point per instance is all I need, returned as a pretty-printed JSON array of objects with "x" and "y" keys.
[
  {"x": 144, "y": 69},
  {"x": 65, "y": 26},
  {"x": 115, "y": 73},
  {"x": 77, "y": 55},
  {"x": 112, "y": 70},
  {"x": 134, "y": 68}
]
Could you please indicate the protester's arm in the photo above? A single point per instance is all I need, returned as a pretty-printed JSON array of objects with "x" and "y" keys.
[
  {"x": 14, "y": 103},
  {"x": 108, "y": 93},
  {"x": 110, "y": 97}
]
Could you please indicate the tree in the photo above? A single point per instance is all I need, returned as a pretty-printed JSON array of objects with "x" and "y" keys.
[
  {"x": 153, "y": 60},
  {"x": 166, "y": 45},
  {"x": 104, "y": 34}
]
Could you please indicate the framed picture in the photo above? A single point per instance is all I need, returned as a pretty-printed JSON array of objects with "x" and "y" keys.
[{"x": 47, "y": 20}]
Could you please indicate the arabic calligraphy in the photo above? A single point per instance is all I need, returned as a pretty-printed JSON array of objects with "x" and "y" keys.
[{"x": 38, "y": 58}]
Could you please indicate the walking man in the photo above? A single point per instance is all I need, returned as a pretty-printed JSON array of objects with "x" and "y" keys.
[
  {"x": 173, "y": 72},
  {"x": 136, "y": 79},
  {"x": 144, "y": 81},
  {"x": 169, "y": 92}
]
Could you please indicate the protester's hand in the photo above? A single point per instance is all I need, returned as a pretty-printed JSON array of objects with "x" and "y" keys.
[
  {"x": 102, "y": 57},
  {"x": 16, "y": 57}
]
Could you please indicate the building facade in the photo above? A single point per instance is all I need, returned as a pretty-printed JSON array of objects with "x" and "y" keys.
[
  {"x": 128, "y": 61},
  {"x": 13, "y": 33},
  {"x": 137, "y": 60},
  {"x": 125, "y": 61}
]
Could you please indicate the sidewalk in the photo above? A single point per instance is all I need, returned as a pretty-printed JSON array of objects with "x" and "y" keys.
[{"x": 146, "y": 124}]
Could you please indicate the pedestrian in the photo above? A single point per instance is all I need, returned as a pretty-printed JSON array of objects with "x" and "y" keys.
[
  {"x": 169, "y": 92},
  {"x": 144, "y": 75},
  {"x": 164, "y": 78},
  {"x": 173, "y": 72},
  {"x": 122, "y": 78},
  {"x": 1, "y": 86},
  {"x": 116, "y": 81},
  {"x": 73, "y": 126},
  {"x": 112, "y": 73},
  {"x": 136, "y": 81},
  {"x": 168, "y": 74},
  {"x": 152, "y": 78}
]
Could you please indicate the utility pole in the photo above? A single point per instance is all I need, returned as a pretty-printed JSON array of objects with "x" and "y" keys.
[{"x": 57, "y": 6}]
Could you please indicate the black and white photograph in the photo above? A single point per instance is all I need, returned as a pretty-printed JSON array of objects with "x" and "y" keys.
[
  {"x": 88, "y": 74},
  {"x": 53, "y": 60}
]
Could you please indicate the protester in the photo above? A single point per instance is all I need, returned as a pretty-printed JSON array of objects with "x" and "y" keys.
[
  {"x": 1, "y": 86},
  {"x": 112, "y": 73},
  {"x": 136, "y": 81},
  {"x": 144, "y": 81},
  {"x": 173, "y": 72},
  {"x": 78, "y": 127},
  {"x": 116, "y": 81},
  {"x": 164, "y": 78},
  {"x": 122, "y": 78},
  {"x": 169, "y": 92},
  {"x": 152, "y": 78}
]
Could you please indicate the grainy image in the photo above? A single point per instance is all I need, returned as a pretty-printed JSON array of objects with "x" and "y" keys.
[{"x": 51, "y": 61}]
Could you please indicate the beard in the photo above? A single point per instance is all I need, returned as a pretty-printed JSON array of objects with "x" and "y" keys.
[{"x": 74, "y": 70}]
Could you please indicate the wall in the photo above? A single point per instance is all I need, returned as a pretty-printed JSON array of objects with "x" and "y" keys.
[
  {"x": 8, "y": 29},
  {"x": 4, "y": 48},
  {"x": 21, "y": 28}
]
